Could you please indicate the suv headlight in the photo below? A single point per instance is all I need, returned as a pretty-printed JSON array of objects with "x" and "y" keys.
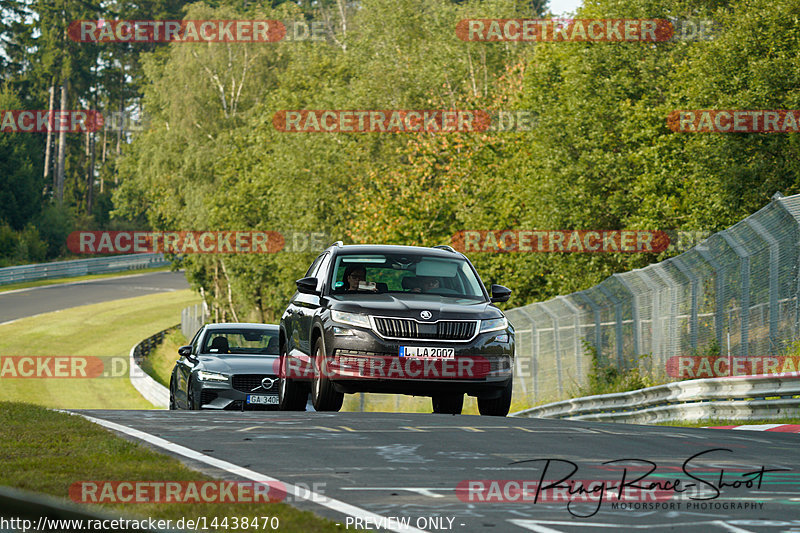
[
  {"x": 352, "y": 319},
  {"x": 494, "y": 324},
  {"x": 211, "y": 376}
]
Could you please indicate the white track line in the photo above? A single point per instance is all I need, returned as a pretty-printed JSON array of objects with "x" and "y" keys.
[{"x": 298, "y": 492}]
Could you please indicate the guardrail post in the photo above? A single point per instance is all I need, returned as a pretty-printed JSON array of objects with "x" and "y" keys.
[
  {"x": 774, "y": 257},
  {"x": 744, "y": 262}
]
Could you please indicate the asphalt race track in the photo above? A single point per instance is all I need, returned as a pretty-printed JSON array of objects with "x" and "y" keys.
[
  {"x": 409, "y": 465},
  {"x": 35, "y": 300}
]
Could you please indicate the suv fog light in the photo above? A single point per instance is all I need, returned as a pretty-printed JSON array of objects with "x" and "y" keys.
[
  {"x": 501, "y": 338},
  {"x": 342, "y": 331}
]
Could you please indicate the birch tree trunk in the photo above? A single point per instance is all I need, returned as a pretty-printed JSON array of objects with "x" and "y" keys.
[
  {"x": 62, "y": 149},
  {"x": 49, "y": 145}
]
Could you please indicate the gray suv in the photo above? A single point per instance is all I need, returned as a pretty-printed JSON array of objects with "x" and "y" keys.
[{"x": 395, "y": 319}]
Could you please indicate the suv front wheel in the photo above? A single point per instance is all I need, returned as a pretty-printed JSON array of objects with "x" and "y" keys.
[
  {"x": 292, "y": 395},
  {"x": 323, "y": 396}
]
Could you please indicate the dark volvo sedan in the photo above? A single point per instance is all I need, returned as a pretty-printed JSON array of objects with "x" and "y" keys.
[
  {"x": 227, "y": 366},
  {"x": 396, "y": 319}
]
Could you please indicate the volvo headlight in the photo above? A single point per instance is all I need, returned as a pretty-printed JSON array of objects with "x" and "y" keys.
[
  {"x": 211, "y": 376},
  {"x": 352, "y": 319},
  {"x": 494, "y": 324}
]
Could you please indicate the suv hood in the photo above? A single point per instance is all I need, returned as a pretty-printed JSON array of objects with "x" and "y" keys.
[
  {"x": 404, "y": 305},
  {"x": 241, "y": 364}
]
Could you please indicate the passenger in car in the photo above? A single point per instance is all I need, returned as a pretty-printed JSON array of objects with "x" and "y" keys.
[
  {"x": 425, "y": 284},
  {"x": 412, "y": 284},
  {"x": 430, "y": 284}
]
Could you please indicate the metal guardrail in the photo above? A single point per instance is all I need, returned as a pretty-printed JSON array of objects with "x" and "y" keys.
[
  {"x": 144, "y": 348},
  {"x": 80, "y": 267},
  {"x": 153, "y": 391},
  {"x": 743, "y": 397}
]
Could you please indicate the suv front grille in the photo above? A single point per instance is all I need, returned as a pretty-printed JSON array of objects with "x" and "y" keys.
[
  {"x": 248, "y": 382},
  {"x": 406, "y": 328}
]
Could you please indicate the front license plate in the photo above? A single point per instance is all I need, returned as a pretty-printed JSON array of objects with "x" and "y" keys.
[
  {"x": 427, "y": 352},
  {"x": 257, "y": 399}
]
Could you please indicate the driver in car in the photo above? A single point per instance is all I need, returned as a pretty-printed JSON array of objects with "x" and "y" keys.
[{"x": 353, "y": 276}]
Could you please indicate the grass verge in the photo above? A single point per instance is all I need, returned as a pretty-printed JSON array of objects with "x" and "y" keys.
[
  {"x": 58, "y": 281},
  {"x": 161, "y": 361},
  {"x": 106, "y": 330},
  {"x": 45, "y": 451}
]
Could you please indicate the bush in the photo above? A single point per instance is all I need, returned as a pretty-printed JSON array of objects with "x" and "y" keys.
[
  {"x": 32, "y": 249},
  {"x": 55, "y": 224},
  {"x": 605, "y": 378},
  {"x": 21, "y": 247}
]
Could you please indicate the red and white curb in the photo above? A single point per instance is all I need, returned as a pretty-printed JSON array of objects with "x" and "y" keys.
[{"x": 779, "y": 428}]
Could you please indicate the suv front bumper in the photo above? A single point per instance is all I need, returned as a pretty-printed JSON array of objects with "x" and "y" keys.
[{"x": 364, "y": 362}]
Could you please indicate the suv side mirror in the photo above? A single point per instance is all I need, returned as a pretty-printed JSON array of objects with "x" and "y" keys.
[
  {"x": 500, "y": 293},
  {"x": 307, "y": 285}
]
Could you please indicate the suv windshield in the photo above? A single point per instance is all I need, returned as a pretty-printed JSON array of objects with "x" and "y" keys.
[
  {"x": 241, "y": 341},
  {"x": 405, "y": 273}
]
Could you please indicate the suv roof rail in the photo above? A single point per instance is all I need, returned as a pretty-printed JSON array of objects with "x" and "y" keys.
[{"x": 445, "y": 247}]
